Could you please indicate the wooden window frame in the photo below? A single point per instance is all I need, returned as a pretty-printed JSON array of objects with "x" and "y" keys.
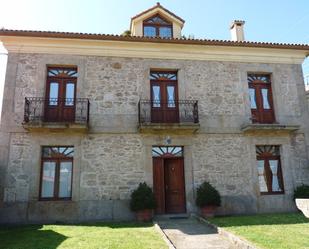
[
  {"x": 157, "y": 26},
  {"x": 266, "y": 156},
  {"x": 260, "y": 115},
  {"x": 58, "y": 160},
  {"x": 61, "y": 108},
  {"x": 164, "y": 109},
  {"x": 164, "y": 81}
]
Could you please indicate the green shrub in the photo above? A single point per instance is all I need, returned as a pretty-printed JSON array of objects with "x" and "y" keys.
[
  {"x": 301, "y": 192},
  {"x": 126, "y": 33},
  {"x": 206, "y": 194},
  {"x": 142, "y": 198}
]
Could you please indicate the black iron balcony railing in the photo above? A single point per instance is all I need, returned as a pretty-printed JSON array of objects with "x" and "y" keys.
[
  {"x": 74, "y": 110},
  {"x": 181, "y": 111}
]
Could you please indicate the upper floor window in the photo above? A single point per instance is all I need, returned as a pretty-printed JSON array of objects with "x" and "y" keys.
[
  {"x": 261, "y": 99},
  {"x": 157, "y": 26},
  {"x": 56, "y": 173},
  {"x": 60, "y": 94},
  {"x": 164, "y": 97},
  {"x": 269, "y": 169}
]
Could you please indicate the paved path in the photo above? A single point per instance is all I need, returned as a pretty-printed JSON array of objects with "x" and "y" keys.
[{"x": 192, "y": 234}]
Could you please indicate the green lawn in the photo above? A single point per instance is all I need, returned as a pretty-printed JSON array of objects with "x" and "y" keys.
[
  {"x": 83, "y": 236},
  {"x": 269, "y": 231}
]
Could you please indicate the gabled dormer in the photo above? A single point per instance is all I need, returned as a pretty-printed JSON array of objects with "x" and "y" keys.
[{"x": 157, "y": 22}]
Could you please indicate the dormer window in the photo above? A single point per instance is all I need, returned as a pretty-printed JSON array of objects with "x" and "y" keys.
[{"x": 156, "y": 26}]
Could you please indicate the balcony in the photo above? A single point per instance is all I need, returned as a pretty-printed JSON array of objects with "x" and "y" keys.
[
  {"x": 174, "y": 117},
  {"x": 56, "y": 114},
  {"x": 268, "y": 129}
]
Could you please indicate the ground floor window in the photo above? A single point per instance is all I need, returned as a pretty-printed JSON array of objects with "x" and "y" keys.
[
  {"x": 269, "y": 169},
  {"x": 56, "y": 173}
]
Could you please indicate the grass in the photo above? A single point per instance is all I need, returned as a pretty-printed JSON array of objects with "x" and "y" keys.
[
  {"x": 269, "y": 230},
  {"x": 83, "y": 236}
]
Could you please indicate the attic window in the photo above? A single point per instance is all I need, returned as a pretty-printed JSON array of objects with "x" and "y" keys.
[{"x": 156, "y": 26}]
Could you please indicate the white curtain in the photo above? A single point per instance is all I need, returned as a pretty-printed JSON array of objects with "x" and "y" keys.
[
  {"x": 171, "y": 96},
  {"x": 262, "y": 180},
  {"x": 265, "y": 99},
  {"x": 252, "y": 98},
  {"x": 274, "y": 170},
  {"x": 156, "y": 96}
]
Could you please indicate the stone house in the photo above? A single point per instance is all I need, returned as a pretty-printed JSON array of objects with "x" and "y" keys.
[{"x": 87, "y": 117}]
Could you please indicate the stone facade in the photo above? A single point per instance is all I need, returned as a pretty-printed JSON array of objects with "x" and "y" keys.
[{"x": 113, "y": 156}]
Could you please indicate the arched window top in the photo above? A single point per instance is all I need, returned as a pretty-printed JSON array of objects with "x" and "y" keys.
[
  {"x": 170, "y": 151},
  {"x": 62, "y": 72},
  {"x": 263, "y": 78},
  {"x": 58, "y": 151},
  {"x": 157, "y": 26},
  {"x": 157, "y": 19},
  {"x": 271, "y": 150},
  {"x": 163, "y": 75}
]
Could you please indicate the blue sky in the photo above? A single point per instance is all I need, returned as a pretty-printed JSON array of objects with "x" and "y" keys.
[
  {"x": 266, "y": 20},
  {"x": 271, "y": 20}
]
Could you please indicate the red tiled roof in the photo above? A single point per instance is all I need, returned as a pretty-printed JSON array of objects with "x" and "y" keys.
[
  {"x": 108, "y": 37},
  {"x": 158, "y": 5}
]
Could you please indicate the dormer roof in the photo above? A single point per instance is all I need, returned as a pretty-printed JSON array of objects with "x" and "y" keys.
[{"x": 157, "y": 9}]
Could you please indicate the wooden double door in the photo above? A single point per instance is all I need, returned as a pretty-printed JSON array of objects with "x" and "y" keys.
[
  {"x": 164, "y": 101},
  {"x": 60, "y": 100},
  {"x": 261, "y": 99},
  {"x": 169, "y": 185}
]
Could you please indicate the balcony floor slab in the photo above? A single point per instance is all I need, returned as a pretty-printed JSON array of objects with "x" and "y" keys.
[
  {"x": 174, "y": 128},
  {"x": 55, "y": 127}
]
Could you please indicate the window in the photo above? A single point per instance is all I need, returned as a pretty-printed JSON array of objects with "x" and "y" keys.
[
  {"x": 171, "y": 151},
  {"x": 164, "y": 97},
  {"x": 261, "y": 100},
  {"x": 60, "y": 94},
  {"x": 56, "y": 173},
  {"x": 157, "y": 26},
  {"x": 269, "y": 169}
]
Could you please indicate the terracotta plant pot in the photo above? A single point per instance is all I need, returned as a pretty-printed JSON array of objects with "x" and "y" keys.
[
  {"x": 303, "y": 205},
  {"x": 144, "y": 215},
  {"x": 208, "y": 211}
]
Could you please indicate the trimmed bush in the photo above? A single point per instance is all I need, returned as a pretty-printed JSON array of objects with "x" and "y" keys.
[
  {"x": 142, "y": 198},
  {"x": 301, "y": 192},
  {"x": 207, "y": 195}
]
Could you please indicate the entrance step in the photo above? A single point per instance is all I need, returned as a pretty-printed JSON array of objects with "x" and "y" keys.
[
  {"x": 192, "y": 234},
  {"x": 171, "y": 216}
]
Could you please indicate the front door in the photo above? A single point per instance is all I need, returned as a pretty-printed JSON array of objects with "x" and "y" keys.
[
  {"x": 174, "y": 185},
  {"x": 164, "y": 97},
  {"x": 60, "y": 95},
  {"x": 168, "y": 179}
]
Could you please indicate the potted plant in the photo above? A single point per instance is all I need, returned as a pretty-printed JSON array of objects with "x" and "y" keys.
[
  {"x": 301, "y": 197},
  {"x": 208, "y": 199},
  {"x": 143, "y": 202}
]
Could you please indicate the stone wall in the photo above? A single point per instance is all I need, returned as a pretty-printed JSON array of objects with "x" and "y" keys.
[
  {"x": 300, "y": 161},
  {"x": 112, "y": 166},
  {"x": 114, "y": 86},
  {"x": 223, "y": 161},
  {"x": 18, "y": 172},
  {"x": 113, "y": 157}
]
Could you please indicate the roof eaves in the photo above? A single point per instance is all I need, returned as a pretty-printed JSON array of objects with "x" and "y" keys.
[{"x": 92, "y": 36}]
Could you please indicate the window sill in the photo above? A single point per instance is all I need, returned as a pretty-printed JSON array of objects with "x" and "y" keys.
[
  {"x": 55, "y": 199},
  {"x": 267, "y": 128},
  {"x": 174, "y": 128},
  {"x": 272, "y": 193}
]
